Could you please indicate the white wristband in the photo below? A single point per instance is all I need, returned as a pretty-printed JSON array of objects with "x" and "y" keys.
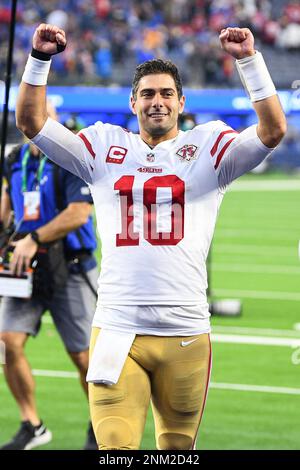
[
  {"x": 36, "y": 71},
  {"x": 255, "y": 77}
]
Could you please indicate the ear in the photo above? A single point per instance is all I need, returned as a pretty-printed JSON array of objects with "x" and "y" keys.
[
  {"x": 181, "y": 104},
  {"x": 132, "y": 104}
]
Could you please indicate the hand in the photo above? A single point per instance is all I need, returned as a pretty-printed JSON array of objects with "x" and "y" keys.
[
  {"x": 47, "y": 37},
  {"x": 24, "y": 251},
  {"x": 238, "y": 42}
]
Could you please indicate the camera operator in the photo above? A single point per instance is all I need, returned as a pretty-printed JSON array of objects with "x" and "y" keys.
[{"x": 53, "y": 224}]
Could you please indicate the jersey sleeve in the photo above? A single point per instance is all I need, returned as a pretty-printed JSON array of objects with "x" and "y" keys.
[
  {"x": 234, "y": 154},
  {"x": 73, "y": 152}
]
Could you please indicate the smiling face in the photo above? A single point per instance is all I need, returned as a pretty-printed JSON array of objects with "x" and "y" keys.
[{"x": 157, "y": 106}]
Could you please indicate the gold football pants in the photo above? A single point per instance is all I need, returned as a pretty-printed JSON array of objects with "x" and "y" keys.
[{"x": 172, "y": 373}]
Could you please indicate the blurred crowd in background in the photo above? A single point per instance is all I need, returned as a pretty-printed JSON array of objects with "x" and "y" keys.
[{"x": 108, "y": 38}]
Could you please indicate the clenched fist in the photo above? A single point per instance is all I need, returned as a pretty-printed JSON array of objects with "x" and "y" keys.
[
  {"x": 238, "y": 42},
  {"x": 49, "y": 39}
]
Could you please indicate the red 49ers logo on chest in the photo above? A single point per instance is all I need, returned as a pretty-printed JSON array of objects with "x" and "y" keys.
[{"x": 187, "y": 153}]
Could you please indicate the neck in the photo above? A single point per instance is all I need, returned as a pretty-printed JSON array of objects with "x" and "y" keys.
[{"x": 153, "y": 140}]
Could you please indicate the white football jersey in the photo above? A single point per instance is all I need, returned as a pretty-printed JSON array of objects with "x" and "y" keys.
[{"x": 156, "y": 208}]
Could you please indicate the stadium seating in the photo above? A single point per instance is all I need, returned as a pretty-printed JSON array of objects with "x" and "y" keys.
[{"x": 108, "y": 37}]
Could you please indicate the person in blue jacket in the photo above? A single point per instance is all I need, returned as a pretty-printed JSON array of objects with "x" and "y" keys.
[{"x": 50, "y": 206}]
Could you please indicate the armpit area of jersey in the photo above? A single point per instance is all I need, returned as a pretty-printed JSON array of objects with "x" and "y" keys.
[
  {"x": 63, "y": 147},
  {"x": 243, "y": 154}
]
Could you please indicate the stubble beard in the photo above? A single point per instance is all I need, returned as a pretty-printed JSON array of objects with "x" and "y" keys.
[{"x": 159, "y": 129}]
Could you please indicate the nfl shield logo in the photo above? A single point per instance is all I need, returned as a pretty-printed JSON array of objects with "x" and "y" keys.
[
  {"x": 150, "y": 157},
  {"x": 187, "y": 153}
]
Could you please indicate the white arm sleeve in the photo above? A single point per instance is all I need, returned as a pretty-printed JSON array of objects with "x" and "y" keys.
[
  {"x": 243, "y": 153},
  {"x": 65, "y": 148}
]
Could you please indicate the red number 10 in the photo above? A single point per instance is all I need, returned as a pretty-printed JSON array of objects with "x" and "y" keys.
[{"x": 128, "y": 237}]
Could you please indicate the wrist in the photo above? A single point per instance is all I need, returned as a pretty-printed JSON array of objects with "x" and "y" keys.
[
  {"x": 36, "y": 71},
  {"x": 255, "y": 77},
  {"x": 35, "y": 237},
  {"x": 40, "y": 55},
  {"x": 245, "y": 55}
]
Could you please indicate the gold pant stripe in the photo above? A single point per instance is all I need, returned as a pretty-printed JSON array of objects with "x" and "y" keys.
[{"x": 206, "y": 393}]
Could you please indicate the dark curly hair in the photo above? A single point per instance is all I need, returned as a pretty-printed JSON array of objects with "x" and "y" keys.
[{"x": 155, "y": 66}]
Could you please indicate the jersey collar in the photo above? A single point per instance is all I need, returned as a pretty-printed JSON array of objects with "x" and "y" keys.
[{"x": 161, "y": 145}]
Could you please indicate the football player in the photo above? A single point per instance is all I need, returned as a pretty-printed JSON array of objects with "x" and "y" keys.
[{"x": 157, "y": 195}]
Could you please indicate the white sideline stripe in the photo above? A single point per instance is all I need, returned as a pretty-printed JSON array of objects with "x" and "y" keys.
[
  {"x": 57, "y": 374},
  {"x": 257, "y": 340},
  {"x": 243, "y": 330},
  {"x": 274, "y": 250},
  {"x": 256, "y": 268},
  {"x": 253, "y": 294},
  {"x": 223, "y": 386},
  {"x": 263, "y": 233},
  {"x": 255, "y": 331},
  {"x": 265, "y": 185},
  {"x": 60, "y": 374},
  {"x": 237, "y": 330},
  {"x": 255, "y": 388}
]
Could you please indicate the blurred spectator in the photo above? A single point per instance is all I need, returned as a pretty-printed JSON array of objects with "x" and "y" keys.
[
  {"x": 289, "y": 37},
  {"x": 59, "y": 18},
  {"x": 187, "y": 121},
  {"x": 112, "y": 36},
  {"x": 103, "y": 58},
  {"x": 292, "y": 11}
]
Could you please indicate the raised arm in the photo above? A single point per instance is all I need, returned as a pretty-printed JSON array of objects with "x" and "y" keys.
[
  {"x": 31, "y": 111},
  {"x": 59, "y": 144},
  {"x": 239, "y": 43}
]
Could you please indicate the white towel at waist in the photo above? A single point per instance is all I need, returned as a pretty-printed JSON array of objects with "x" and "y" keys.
[{"x": 109, "y": 355}]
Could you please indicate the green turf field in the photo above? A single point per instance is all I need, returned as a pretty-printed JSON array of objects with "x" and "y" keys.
[{"x": 253, "y": 402}]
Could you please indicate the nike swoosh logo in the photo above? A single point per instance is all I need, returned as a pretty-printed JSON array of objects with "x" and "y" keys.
[{"x": 186, "y": 343}]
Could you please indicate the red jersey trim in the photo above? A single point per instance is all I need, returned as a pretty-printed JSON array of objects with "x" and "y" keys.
[
  {"x": 87, "y": 144},
  {"x": 220, "y": 155},
  {"x": 215, "y": 147}
]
